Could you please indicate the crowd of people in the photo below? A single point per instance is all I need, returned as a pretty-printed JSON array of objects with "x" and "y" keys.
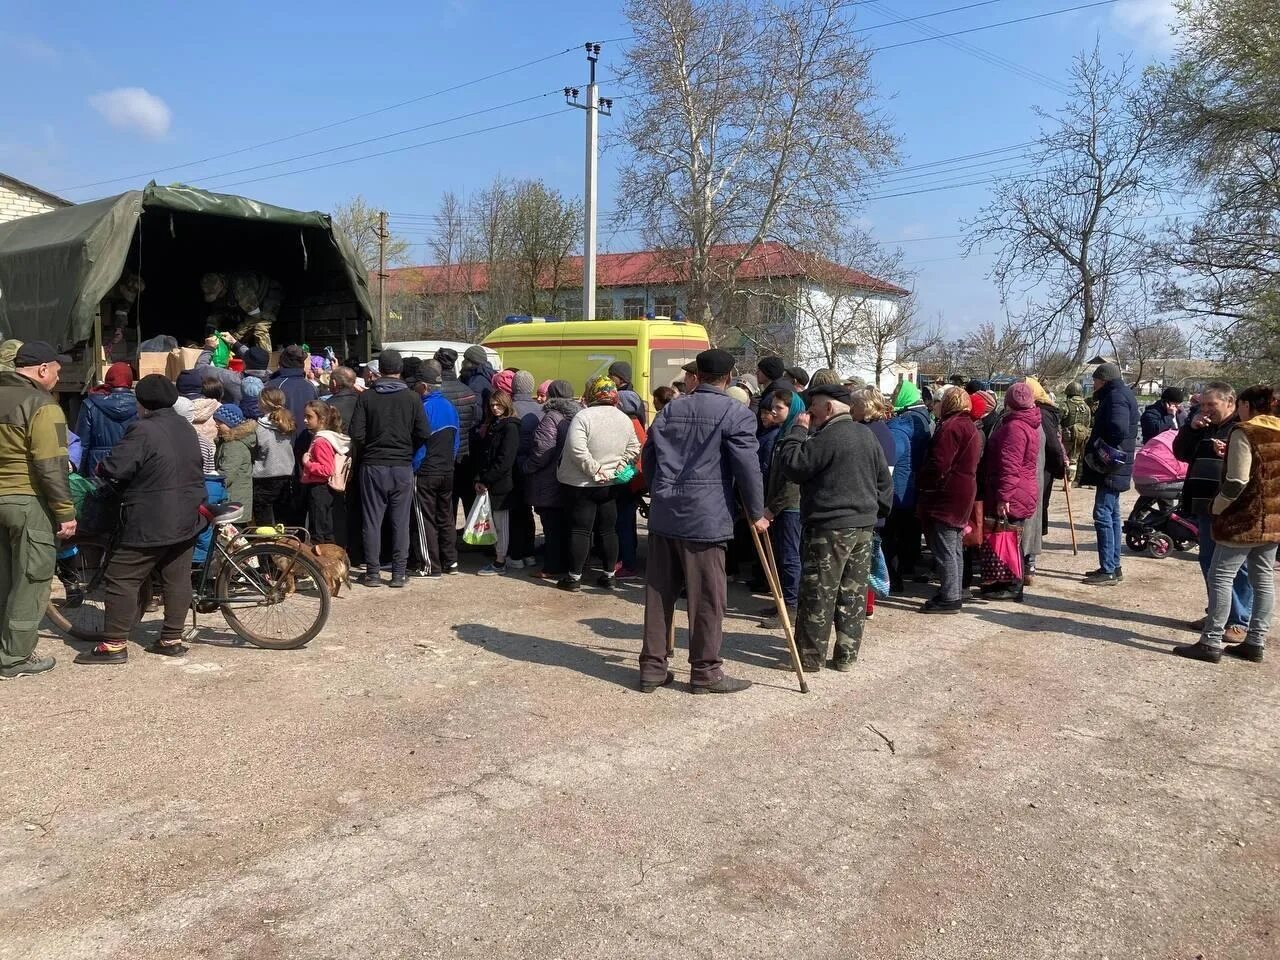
[{"x": 849, "y": 486}]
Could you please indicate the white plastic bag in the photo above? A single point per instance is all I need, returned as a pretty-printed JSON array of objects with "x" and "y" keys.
[{"x": 479, "y": 531}]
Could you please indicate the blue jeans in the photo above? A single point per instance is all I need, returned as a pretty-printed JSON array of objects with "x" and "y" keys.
[
  {"x": 785, "y": 533},
  {"x": 1241, "y": 589},
  {"x": 628, "y": 542},
  {"x": 1258, "y": 563},
  {"x": 1107, "y": 523}
]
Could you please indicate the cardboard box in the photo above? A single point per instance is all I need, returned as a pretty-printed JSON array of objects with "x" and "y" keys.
[
  {"x": 181, "y": 358},
  {"x": 152, "y": 363}
]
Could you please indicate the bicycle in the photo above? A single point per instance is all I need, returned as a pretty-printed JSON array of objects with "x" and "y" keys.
[{"x": 271, "y": 594}]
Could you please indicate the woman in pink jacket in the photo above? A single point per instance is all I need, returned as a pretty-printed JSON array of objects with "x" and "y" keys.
[{"x": 1011, "y": 471}]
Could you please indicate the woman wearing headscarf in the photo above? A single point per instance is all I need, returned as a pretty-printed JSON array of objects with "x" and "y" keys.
[
  {"x": 948, "y": 485},
  {"x": 1053, "y": 466},
  {"x": 496, "y": 475},
  {"x": 104, "y": 417},
  {"x": 1011, "y": 472},
  {"x": 543, "y": 491},
  {"x": 600, "y": 445},
  {"x": 870, "y": 407}
]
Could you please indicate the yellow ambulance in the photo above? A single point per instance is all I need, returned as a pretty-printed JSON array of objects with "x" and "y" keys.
[{"x": 577, "y": 350}]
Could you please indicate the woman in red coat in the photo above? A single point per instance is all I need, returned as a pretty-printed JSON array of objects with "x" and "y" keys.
[
  {"x": 1011, "y": 471},
  {"x": 948, "y": 485}
]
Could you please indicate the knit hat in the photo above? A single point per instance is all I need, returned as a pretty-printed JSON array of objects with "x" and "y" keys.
[
  {"x": 620, "y": 369},
  {"x": 446, "y": 357},
  {"x": 1019, "y": 397},
  {"x": 431, "y": 372},
  {"x": 602, "y": 390},
  {"x": 229, "y": 414},
  {"x": 1172, "y": 395},
  {"x": 118, "y": 375},
  {"x": 523, "y": 383},
  {"x": 256, "y": 358},
  {"x": 976, "y": 386},
  {"x": 977, "y": 405},
  {"x": 544, "y": 386},
  {"x": 475, "y": 356},
  {"x": 292, "y": 357},
  {"x": 184, "y": 408},
  {"x": 559, "y": 389},
  {"x": 504, "y": 382},
  {"x": 1106, "y": 372},
  {"x": 190, "y": 383},
  {"x": 990, "y": 399},
  {"x": 155, "y": 391},
  {"x": 772, "y": 367},
  {"x": 251, "y": 387},
  {"x": 907, "y": 395}
]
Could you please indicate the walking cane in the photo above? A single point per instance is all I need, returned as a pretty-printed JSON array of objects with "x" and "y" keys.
[
  {"x": 1071, "y": 520},
  {"x": 765, "y": 553}
]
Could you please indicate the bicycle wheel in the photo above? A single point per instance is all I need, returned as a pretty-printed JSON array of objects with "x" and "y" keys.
[
  {"x": 77, "y": 605},
  {"x": 273, "y": 596}
]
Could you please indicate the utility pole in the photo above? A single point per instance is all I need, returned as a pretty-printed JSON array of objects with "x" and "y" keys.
[
  {"x": 594, "y": 107},
  {"x": 382, "y": 277}
]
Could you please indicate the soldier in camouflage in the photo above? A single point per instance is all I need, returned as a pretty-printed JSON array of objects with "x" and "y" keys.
[
  {"x": 246, "y": 304},
  {"x": 845, "y": 486}
]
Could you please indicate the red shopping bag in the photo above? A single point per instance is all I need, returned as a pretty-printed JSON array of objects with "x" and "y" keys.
[{"x": 1001, "y": 555}]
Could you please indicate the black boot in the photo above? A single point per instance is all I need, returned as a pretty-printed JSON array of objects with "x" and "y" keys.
[{"x": 1199, "y": 651}]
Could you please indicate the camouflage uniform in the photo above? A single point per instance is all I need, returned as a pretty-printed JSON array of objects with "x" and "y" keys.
[
  {"x": 836, "y": 566},
  {"x": 1076, "y": 420},
  {"x": 246, "y": 304}
]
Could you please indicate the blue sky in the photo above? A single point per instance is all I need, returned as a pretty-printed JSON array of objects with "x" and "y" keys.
[{"x": 105, "y": 95}]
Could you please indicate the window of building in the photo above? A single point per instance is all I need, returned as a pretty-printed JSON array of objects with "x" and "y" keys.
[
  {"x": 633, "y": 308},
  {"x": 665, "y": 307}
]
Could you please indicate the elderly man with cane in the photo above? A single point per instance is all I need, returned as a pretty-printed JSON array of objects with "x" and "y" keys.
[{"x": 696, "y": 451}]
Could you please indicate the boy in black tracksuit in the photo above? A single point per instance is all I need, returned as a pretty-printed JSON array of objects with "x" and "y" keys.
[{"x": 388, "y": 426}]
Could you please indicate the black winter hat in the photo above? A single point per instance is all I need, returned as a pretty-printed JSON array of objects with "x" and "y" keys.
[
  {"x": 1172, "y": 395},
  {"x": 256, "y": 358},
  {"x": 190, "y": 384},
  {"x": 155, "y": 391},
  {"x": 446, "y": 357},
  {"x": 772, "y": 367},
  {"x": 716, "y": 363}
]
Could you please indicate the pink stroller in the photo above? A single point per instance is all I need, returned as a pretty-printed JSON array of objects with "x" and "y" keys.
[{"x": 1154, "y": 526}]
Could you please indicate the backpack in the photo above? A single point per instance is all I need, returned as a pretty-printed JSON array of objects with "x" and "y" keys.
[
  {"x": 341, "y": 475},
  {"x": 1079, "y": 419}
]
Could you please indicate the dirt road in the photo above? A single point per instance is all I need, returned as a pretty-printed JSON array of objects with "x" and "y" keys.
[{"x": 462, "y": 769}]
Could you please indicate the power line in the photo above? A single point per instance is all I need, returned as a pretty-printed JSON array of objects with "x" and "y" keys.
[
  {"x": 385, "y": 136},
  {"x": 330, "y": 126},
  {"x": 411, "y": 146},
  {"x": 1002, "y": 23}
]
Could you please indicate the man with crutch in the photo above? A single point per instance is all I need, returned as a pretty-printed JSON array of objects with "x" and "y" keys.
[
  {"x": 696, "y": 452},
  {"x": 845, "y": 485}
]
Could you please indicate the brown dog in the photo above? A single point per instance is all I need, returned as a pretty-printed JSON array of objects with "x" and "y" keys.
[{"x": 334, "y": 564}]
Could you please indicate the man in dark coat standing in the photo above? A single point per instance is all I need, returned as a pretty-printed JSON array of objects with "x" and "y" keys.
[
  {"x": 291, "y": 380},
  {"x": 156, "y": 468},
  {"x": 388, "y": 426},
  {"x": 695, "y": 454},
  {"x": 1114, "y": 438},
  {"x": 344, "y": 396},
  {"x": 1163, "y": 414}
]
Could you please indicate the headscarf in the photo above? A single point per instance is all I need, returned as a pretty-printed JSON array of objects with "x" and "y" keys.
[
  {"x": 978, "y": 406},
  {"x": 749, "y": 383},
  {"x": 797, "y": 408},
  {"x": 559, "y": 390},
  {"x": 504, "y": 382},
  {"x": 602, "y": 391},
  {"x": 907, "y": 395},
  {"x": 954, "y": 401},
  {"x": 989, "y": 398},
  {"x": 1038, "y": 392},
  {"x": 1020, "y": 396},
  {"x": 119, "y": 375}
]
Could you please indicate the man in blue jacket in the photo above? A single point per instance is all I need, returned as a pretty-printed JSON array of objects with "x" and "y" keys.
[
  {"x": 434, "y": 549},
  {"x": 697, "y": 452},
  {"x": 291, "y": 380},
  {"x": 1115, "y": 428}
]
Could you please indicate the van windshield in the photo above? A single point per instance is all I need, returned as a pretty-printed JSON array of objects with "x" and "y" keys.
[{"x": 664, "y": 365}]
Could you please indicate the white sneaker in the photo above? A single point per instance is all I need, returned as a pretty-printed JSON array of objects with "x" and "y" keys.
[{"x": 515, "y": 564}]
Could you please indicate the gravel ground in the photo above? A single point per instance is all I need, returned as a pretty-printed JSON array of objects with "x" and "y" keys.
[{"x": 462, "y": 769}]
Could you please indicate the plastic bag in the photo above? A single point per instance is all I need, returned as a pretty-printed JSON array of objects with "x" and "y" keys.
[
  {"x": 878, "y": 581},
  {"x": 626, "y": 473},
  {"x": 221, "y": 354},
  {"x": 1000, "y": 558},
  {"x": 479, "y": 531}
]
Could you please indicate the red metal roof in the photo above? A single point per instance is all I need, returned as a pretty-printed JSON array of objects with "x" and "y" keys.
[{"x": 645, "y": 268}]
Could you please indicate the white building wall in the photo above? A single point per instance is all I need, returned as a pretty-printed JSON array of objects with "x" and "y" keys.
[
  {"x": 815, "y": 315},
  {"x": 15, "y": 203}
]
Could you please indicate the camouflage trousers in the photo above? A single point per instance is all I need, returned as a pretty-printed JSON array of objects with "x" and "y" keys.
[{"x": 835, "y": 568}]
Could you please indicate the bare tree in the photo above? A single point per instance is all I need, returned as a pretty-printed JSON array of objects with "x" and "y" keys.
[
  {"x": 1141, "y": 347},
  {"x": 1068, "y": 231},
  {"x": 743, "y": 126},
  {"x": 358, "y": 222},
  {"x": 545, "y": 229},
  {"x": 990, "y": 350}
]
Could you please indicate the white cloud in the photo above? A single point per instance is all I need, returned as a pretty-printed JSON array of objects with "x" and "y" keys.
[
  {"x": 133, "y": 108},
  {"x": 1149, "y": 19},
  {"x": 29, "y": 47}
]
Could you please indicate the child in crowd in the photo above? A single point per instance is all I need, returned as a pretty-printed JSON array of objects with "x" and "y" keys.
[
  {"x": 330, "y": 448},
  {"x": 273, "y": 458},
  {"x": 662, "y": 396},
  {"x": 237, "y": 439}
]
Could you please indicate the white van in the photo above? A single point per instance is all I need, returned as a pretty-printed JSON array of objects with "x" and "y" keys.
[{"x": 426, "y": 349}]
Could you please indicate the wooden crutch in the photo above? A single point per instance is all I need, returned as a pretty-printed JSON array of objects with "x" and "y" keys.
[
  {"x": 765, "y": 552},
  {"x": 1071, "y": 520}
]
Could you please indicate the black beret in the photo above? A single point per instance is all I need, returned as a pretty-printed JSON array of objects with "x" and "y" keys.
[
  {"x": 836, "y": 391},
  {"x": 772, "y": 367},
  {"x": 155, "y": 391},
  {"x": 715, "y": 363}
]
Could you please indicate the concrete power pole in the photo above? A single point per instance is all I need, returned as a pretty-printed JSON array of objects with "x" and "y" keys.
[
  {"x": 594, "y": 107},
  {"x": 382, "y": 277}
]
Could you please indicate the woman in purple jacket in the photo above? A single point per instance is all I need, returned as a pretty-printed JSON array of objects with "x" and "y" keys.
[{"x": 1011, "y": 472}]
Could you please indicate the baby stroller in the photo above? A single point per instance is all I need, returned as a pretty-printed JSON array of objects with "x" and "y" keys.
[{"x": 1154, "y": 526}]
